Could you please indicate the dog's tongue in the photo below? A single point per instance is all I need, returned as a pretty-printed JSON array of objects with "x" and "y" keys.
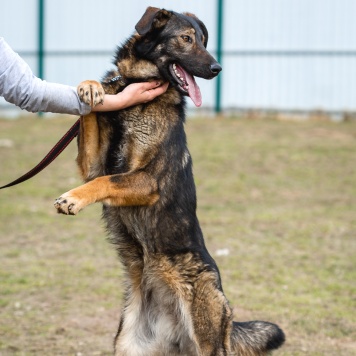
[{"x": 193, "y": 88}]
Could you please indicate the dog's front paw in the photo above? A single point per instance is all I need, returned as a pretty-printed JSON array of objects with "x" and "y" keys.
[
  {"x": 91, "y": 92},
  {"x": 68, "y": 204}
]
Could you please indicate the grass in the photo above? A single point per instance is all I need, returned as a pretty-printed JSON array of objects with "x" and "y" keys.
[{"x": 279, "y": 197}]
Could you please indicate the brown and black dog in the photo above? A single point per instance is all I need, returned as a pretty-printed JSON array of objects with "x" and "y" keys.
[{"x": 136, "y": 162}]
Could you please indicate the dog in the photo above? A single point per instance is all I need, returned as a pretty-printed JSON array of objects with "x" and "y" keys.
[{"x": 136, "y": 163}]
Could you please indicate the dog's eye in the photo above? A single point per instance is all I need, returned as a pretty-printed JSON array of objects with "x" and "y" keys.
[{"x": 186, "y": 38}]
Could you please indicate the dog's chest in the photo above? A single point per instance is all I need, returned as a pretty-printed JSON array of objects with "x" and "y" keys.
[
  {"x": 135, "y": 136},
  {"x": 145, "y": 128},
  {"x": 140, "y": 128}
]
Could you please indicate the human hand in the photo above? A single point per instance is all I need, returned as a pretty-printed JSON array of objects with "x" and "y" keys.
[
  {"x": 140, "y": 93},
  {"x": 133, "y": 94}
]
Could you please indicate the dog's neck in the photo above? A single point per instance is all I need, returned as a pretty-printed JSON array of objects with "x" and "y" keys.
[{"x": 132, "y": 68}]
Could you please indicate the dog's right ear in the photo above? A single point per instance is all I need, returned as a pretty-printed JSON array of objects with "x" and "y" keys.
[
  {"x": 201, "y": 25},
  {"x": 153, "y": 18}
]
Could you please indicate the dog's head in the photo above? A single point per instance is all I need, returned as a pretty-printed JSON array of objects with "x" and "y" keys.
[{"x": 176, "y": 44}]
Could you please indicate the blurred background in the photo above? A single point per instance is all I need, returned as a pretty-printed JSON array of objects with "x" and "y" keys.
[{"x": 296, "y": 57}]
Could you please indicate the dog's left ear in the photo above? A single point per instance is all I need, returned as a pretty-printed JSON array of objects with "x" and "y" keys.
[
  {"x": 201, "y": 25},
  {"x": 153, "y": 18}
]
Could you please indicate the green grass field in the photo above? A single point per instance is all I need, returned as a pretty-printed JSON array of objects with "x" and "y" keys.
[{"x": 277, "y": 204}]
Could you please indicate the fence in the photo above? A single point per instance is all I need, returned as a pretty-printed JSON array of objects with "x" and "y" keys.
[{"x": 295, "y": 55}]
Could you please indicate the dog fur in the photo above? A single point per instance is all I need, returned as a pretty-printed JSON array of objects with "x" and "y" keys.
[{"x": 136, "y": 162}]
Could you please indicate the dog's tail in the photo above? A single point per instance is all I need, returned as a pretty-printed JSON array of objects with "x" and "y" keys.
[{"x": 256, "y": 338}]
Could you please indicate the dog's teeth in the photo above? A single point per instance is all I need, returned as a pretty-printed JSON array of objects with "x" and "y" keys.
[{"x": 179, "y": 76}]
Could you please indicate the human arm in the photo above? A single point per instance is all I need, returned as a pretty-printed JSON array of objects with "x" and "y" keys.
[{"x": 19, "y": 86}]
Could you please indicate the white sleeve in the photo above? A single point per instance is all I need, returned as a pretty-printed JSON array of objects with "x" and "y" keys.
[{"x": 19, "y": 86}]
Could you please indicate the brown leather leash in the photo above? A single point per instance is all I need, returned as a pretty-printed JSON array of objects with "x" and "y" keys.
[{"x": 51, "y": 155}]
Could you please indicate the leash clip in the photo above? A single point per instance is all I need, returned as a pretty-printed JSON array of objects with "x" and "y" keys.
[
  {"x": 118, "y": 78},
  {"x": 115, "y": 79}
]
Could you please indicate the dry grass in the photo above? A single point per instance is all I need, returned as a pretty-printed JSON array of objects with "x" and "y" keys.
[{"x": 278, "y": 197}]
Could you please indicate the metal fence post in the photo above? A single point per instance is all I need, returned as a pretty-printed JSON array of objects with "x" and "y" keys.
[
  {"x": 40, "y": 38},
  {"x": 219, "y": 54},
  {"x": 40, "y": 49}
]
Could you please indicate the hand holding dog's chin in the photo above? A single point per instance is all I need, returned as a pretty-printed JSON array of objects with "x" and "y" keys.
[
  {"x": 134, "y": 94},
  {"x": 140, "y": 93}
]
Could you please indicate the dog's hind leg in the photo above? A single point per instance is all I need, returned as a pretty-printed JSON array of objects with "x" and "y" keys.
[
  {"x": 217, "y": 334},
  {"x": 128, "y": 189},
  {"x": 212, "y": 317}
]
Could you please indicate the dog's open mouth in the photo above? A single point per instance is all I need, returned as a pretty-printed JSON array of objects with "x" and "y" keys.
[{"x": 186, "y": 83}]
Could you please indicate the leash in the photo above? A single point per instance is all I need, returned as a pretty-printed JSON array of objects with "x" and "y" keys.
[{"x": 51, "y": 155}]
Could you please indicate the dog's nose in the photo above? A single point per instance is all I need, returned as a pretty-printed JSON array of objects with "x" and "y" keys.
[{"x": 215, "y": 68}]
